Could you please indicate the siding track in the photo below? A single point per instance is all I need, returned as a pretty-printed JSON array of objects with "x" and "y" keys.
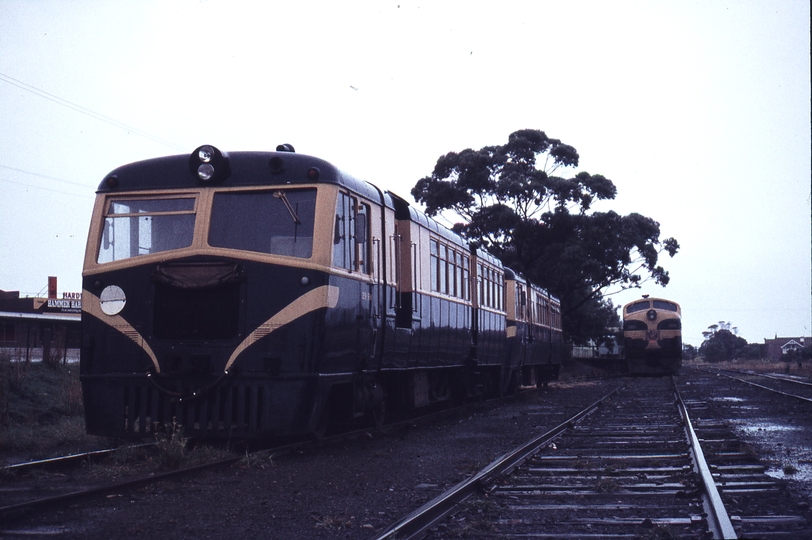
[{"x": 632, "y": 466}]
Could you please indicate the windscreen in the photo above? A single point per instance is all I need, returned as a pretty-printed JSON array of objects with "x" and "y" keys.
[
  {"x": 134, "y": 227},
  {"x": 665, "y": 305},
  {"x": 638, "y": 306},
  {"x": 278, "y": 222}
]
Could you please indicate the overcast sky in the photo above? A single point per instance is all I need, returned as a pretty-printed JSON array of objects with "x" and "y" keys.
[{"x": 698, "y": 111}]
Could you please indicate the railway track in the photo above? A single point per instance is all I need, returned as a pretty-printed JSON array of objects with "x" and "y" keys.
[
  {"x": 779, "y": 384},
  {"x": 630, "y": 466},
  {"x": 759, "y": 438},
  {"x": 48, "y": 490},
  {"x": 45, "y": 484},
  {"x": 64, "y": 461}
]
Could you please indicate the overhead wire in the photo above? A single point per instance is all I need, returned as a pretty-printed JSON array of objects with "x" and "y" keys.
[
  {"x": 44, "y": 176},
  {"x": 45, "y": 188},
  {"x": 35, "y": 186},
  {"x": 84, "y": 110}
]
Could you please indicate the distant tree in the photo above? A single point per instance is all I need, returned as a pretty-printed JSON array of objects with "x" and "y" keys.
[
  {"x": 509, "y": 200},
  {"x": 688, "y": 352},
  {"x": 596, "y": 319},
  {"x": 751, "y": 351},
  {"x": 722, "y": 346}
]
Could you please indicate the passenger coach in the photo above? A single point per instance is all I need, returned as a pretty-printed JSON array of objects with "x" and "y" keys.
[{"x": 262, "y": 293}]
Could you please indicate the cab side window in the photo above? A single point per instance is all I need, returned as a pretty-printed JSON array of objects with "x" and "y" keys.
[{"x": 351, "y": 234}]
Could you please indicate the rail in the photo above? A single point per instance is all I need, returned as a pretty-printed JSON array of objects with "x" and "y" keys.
[
  {"x": 718, "y": 519},
  {"x": 110, "y": 488},
  {"x": 418, "y": 522},
  {"x": 65, "y": 460}
]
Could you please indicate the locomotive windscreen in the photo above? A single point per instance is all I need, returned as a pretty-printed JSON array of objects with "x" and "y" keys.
[
  {"x": 662, "y": 304},
  {"x": 134, "y": 227},
  {"x": 276, "y": 222}
]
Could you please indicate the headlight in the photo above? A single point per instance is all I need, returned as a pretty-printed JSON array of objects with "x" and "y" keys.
[{"x": 209, "y": 164}]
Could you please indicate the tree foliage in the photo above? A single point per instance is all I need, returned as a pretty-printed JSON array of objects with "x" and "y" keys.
[
  {"x": 596, "y": 319},
  {"x": 514, "y": 201},
  {"x": 723, "y": 346}
]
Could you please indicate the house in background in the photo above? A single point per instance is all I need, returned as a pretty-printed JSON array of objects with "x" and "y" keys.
[{"x": 778, "y": 347}]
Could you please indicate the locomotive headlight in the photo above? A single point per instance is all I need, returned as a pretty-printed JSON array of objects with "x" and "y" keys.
[
  {"x": 651, "y": 315},
  {"x": 112, "y": 300},
  {"x": 209, "y": 164}
]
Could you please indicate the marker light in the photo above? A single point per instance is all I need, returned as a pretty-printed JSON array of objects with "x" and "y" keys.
[
  {"x": 209, "y": 164},
  {"x": 277, "y": 165},
  {"x": 313, "y": 173}
]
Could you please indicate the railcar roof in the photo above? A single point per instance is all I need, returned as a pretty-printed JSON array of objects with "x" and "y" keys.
[
  {"x": 404, "y": 210},
  {"x": 246, "y": 169},
  {"x": 511, "y": 274}
]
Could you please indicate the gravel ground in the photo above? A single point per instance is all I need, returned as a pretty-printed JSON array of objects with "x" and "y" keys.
[
  {"x": 358, "y": 487},
  {"x": 348, "y": 490}
]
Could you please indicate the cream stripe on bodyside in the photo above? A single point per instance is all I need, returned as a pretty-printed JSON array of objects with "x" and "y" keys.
[
  {"x": 326, "y": 296},
  {"x": 91, "y": 304}
]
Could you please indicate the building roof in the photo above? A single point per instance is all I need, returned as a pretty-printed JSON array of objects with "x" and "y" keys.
[{"x": 41, "y": 316}]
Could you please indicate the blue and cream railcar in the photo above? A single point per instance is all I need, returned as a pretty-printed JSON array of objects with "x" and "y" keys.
[
  {"x": 652, "y": 336},
  {"x": 266, "y": 293},
  {"x": 534, "y": 331},
  {"x": 429, "y": 312}
]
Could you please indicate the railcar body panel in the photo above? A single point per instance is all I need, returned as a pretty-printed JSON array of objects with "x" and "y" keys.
[{"x": 257, "y": 293}]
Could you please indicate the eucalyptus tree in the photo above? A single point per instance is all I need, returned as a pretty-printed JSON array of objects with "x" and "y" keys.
[{"x": 516, "y": 201}]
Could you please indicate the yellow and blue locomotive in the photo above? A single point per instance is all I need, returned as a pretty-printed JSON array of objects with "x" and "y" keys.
[
  {"x": 652, "y": 336},
  {"x": 265, "y": 293}
]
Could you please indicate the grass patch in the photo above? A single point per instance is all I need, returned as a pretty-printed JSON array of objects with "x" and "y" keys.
[
  {"x": 171, "y": 447},
  {"x": 41, "y": 412}
]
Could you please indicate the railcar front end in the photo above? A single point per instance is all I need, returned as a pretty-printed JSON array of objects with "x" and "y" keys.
[{"x": 211, "y": 299}]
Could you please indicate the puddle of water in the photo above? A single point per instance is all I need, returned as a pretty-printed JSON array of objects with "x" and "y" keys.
[
  {"x": 727, "y": 399},
  {"x": 802, "y": 472},
  {"x": 766, "y": 427}
]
